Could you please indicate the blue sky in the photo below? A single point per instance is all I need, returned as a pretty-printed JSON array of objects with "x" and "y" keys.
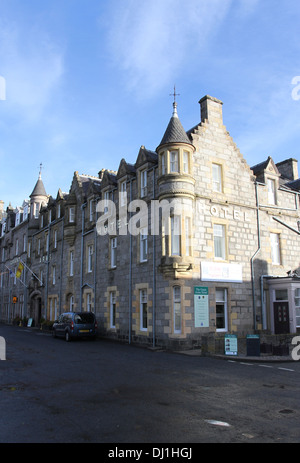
[{"x": 88, "y": 82}]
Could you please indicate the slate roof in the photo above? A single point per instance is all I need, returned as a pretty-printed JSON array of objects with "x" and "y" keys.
[
  {"x": 175, "y": 133},
  {"x": 39, "y": 189}
]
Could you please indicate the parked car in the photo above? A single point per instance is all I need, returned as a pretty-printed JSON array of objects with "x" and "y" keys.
[{"x": 75, "y": 325}]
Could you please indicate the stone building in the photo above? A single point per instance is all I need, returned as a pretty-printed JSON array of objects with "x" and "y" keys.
[{"x": 184, "y": 246}]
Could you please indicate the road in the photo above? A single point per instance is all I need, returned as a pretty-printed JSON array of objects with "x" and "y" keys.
[{"x": 99, "y": 391}]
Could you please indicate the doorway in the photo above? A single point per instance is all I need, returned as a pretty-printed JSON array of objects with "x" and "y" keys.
[{"x": 281, "y": 317}]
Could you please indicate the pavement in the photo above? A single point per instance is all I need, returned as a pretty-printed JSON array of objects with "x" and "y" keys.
[{"x": 240, "y": 358}]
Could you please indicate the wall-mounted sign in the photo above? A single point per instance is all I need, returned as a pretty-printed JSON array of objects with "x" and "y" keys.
[
  {"x": 231, "y": 344},
  {"x": 219, "y": 271},
  {"x": 201, "y": 307}
]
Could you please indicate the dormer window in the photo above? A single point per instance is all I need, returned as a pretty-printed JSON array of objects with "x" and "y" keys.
[
  {"x": 106, "y": 199},
  {"x": 143, "y": 183},
  {"x": 271, "y": 191},
  {"x": 72, "y": 214},
  {"x": 123, "y": 196}
]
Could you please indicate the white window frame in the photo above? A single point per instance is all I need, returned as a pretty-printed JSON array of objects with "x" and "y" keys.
[
  {"x": 271, "y": 191},
  {"x": 224, "y": 302},
  {"x": 186, "y": 162},
  {"x": 71, "y": 214},
  {"x": 219, "y": 241},
  {"x": 91, "y": 210},
  {"x": 143, "y": 183},
  {"x": 217, "y": 178},
  {"x": 174, "y": 161},
  {"x": 123, "y": 193},
  {"x": 88, "y": 302},
  {"x": 275, "y": 248}
]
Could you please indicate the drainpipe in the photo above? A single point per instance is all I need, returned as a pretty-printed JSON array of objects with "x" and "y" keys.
[
  {"x": 83, "y": 206},
  {"x": 154, "y": 269},
  {"x": 254, "y": 256},
  {"x": 61, "y": 265},
  {"x": 95, "y": 262},
  {"x": 130, "y": 275}
]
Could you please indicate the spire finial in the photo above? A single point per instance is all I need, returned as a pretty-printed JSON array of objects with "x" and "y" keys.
[
  {"x": 40, "y": 173},
  {"x": 174, "y": 94}
]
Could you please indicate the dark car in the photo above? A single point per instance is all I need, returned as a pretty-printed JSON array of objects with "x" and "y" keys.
[{"x": 75, "y": 325}]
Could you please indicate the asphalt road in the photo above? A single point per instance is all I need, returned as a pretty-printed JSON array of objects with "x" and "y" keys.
[{"x": 98, "y": 391}]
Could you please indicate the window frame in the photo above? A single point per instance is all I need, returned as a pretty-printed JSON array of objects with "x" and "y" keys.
[
  {"x": 112, "y": 308},
  {"x": 220, "y": 242},
  {"x": 143, "y": 309},
  {"x": 217, "y": 177},
  {"x": 113, "y": 252},
  {"x": 143, "y": 245},
  {"x": 177, "y": 313},
  {"x": 275, "y": 248},
  {"x": 224, "y": 302},
  {"x": 174, "y": 163}
]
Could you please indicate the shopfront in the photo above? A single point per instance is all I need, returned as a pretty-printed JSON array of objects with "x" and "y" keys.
[{"x": 284, "y": 305}]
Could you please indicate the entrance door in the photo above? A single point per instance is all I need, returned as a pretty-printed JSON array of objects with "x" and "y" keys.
[{"x": 281, "y": 317}]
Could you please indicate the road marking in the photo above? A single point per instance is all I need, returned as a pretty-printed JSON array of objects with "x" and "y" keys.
[
  {"x": 249, "y": 364},
  {"x": 265, "y": 366},
  {"x": 285, "y": 369}
]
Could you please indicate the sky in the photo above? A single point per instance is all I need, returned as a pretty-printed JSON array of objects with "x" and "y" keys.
[{"x": 85, "y": 83}]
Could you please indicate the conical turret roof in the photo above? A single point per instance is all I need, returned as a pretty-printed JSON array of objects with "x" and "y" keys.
[
  {"x": 39, "y": 189},
  {"x": 175, "y": 133}
]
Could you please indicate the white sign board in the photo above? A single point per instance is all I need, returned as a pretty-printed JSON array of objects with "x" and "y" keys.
[{"x": 219, "y": 271}]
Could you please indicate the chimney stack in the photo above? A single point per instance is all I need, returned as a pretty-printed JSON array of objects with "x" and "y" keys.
[{"x": 211, "y": 110}]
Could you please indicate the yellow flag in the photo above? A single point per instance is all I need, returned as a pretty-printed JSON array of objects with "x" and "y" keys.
[{"x": 19, "y": 270}]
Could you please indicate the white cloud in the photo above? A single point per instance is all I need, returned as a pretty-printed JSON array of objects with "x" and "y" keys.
[
  {"x": 152, "y": 41},
  {"x": 32, "y": 68}
]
